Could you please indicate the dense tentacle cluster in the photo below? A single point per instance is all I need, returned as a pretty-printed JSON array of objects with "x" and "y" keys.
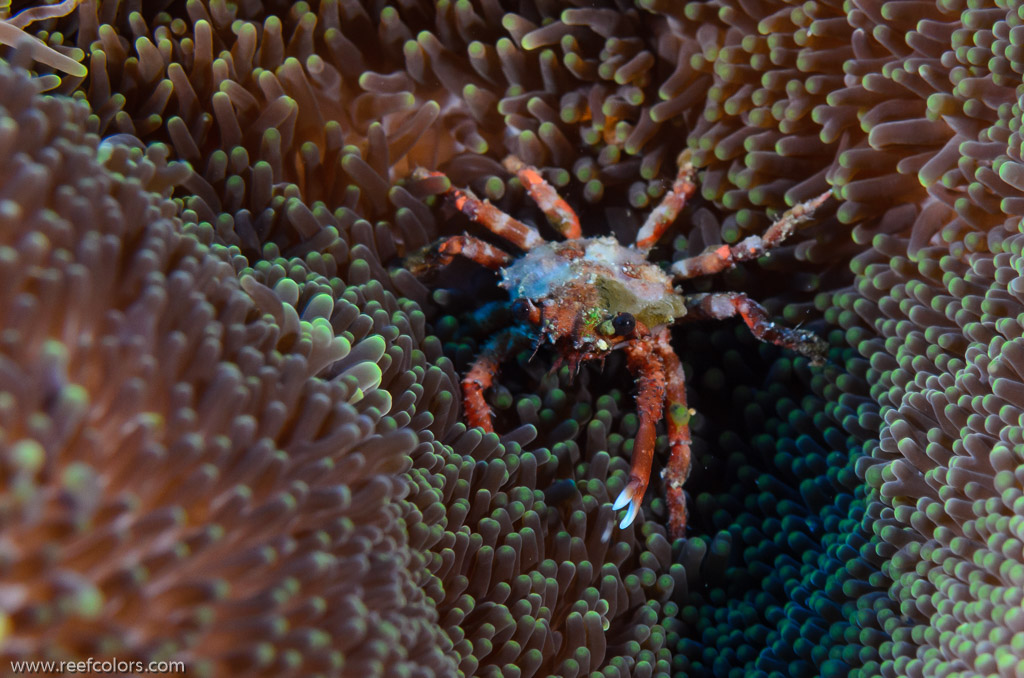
[
  {"x": 947, "y": 468},
  {"x": 311, "y": 300},
  {"x": 890, "y": 105},
  {"x": 313, "y": 91},
  {"x": 218, "y": 455}
]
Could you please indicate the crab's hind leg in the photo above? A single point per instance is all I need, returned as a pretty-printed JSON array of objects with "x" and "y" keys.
[
  {"x": 487, "y": 215},
  {"x": 671, "y": 205},
  {"x": 647, "y": 367},
  {"x": 718, "y": 258},
  {"x": 558, "y": 212},
  {"x": 442, "y": 252},
  {"x": 723, "y": 305},
  {"x": 483, "y": 371},
  {"x": 678, "y": 422}
]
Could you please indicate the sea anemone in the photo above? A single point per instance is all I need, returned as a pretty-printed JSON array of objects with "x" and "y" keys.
[{"x": 226, "y": 399}]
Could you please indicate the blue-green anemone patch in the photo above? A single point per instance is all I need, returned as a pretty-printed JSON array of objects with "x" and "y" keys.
[{"x": 946, "y": 470}]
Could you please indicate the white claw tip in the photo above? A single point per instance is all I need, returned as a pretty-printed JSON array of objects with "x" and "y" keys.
[
  {"x": 630, "y": 516},
  {"x": 624, "y": 498},
  {"x": 627, "y": 498}
]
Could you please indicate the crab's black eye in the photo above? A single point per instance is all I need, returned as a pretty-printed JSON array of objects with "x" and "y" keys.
[
  {"x": 521, "y": 310},
  {"x": 623, "y": 324}
]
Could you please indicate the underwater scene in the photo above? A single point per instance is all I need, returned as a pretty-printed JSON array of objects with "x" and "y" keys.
[{"x": 512, "y": 338}]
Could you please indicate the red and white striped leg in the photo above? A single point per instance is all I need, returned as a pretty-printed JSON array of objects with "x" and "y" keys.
[
  {"x": 480, "y": 376},
  {"x": 718, "y": 258},
  {"x": 647, "y": 367},
  {"x": 671, "y": 205},
  {"x": 557, "y": 210},
  {"x": 487, "y": 215},
  {"x": 677, "y": 417},
  {"x": 723, "y": 305}
]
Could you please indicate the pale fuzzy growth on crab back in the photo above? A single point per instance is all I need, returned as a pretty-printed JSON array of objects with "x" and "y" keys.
[{"x": 615, "y": 278}]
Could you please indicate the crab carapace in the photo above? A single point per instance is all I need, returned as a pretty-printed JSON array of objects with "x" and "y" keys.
[{"x": 590, "y": 296}]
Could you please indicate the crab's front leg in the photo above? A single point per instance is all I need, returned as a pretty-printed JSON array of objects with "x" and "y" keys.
[
  {"x": 483, "y": 371},
  {"x": 671, "y": 205},
  {"x": 647, "y": 367},
  {"x": 677, "y": 417}
]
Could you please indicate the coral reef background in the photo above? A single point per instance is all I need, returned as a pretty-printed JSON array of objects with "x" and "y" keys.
[{"x": 230, "y": 428}]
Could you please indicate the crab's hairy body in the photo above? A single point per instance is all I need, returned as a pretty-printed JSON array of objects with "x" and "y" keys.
[
  {"x": 582, "y": 283},
  {"x": 590, "y": 296}
]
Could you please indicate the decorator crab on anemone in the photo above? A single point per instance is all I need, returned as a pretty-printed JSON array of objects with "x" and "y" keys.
[{"x": 588, "y": 297}]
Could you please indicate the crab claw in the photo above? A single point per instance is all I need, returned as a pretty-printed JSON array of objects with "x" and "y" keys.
[{"x": 632, "y": 494}]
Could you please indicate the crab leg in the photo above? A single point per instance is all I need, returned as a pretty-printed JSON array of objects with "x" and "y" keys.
[
  {"x": 484, "y": 213},
  {"x": 718, "y": 258},
  {"x": 442, "y": 252},
  {"x": 558, "y": 212},
  {"x": 671, "y": 205},
  {"x": 482, "y": 373},
  {"x": 645, "y": 364},
  {"x": 678, "y": 419},
  {"x": 723, "y": 305}
]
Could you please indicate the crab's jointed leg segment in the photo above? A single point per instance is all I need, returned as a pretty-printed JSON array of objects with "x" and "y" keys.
[
  {"x": 558, "y": 212},
  {"x": 483, "y": 371},
  {"x": 487, "y": 215},
  {"x": 722, "y": 305},
  {"x": 442, "y": 252},
  {"x": 474, "y": 249},
  {"x": 671, "y": 205},
  {"x": 797, "y": 214},
  {"x": 718, "y": 258},
  {"x": 647, "y": 367},
  {"x": 678, "y": 421}
]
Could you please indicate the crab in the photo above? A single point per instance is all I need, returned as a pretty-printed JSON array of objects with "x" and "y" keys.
[{"x": 589, "y": 296}]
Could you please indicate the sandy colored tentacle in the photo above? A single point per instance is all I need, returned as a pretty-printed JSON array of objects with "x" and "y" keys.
[
  {"x": 41, "y": 12},
  {"x": 39, "y": 50}
]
